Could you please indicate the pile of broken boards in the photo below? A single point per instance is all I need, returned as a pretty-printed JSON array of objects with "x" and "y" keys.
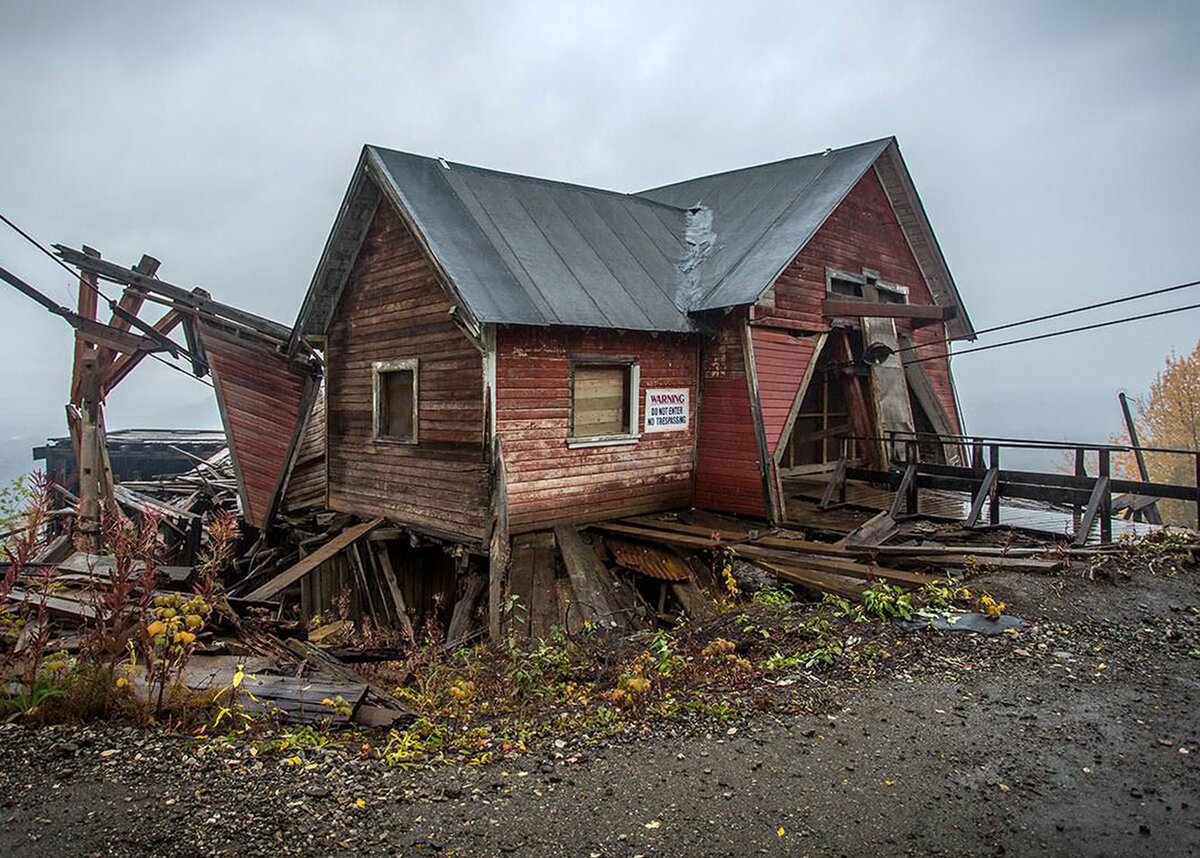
[
  {"x": 285, "y": 675},
  {"x": 636, "y": 572},
  {"x": 181, "y": 504}
]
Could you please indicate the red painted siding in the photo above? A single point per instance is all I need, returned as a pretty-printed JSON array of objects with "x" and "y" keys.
[
  {"x": 548, "y": 483},
  {"x": 261, "y": 394},
  {"x": 861, "y": 233},
  {"x": 728, "y": 474},
  {"x": 780, "y": 361}
]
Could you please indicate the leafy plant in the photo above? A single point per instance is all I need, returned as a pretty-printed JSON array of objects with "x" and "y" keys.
[{"x": 888, "y": 601}]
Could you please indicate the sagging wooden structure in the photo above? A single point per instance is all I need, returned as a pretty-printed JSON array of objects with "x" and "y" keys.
[{"x": 506, "y": 354}]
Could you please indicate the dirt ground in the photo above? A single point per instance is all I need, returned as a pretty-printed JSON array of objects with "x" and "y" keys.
[{"x": 1077, "y": 737}]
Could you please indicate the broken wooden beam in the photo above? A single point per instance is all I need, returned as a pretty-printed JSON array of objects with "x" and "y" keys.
[
  {"x": 587, "y": 575},
  {"x": 308, "y": 564}
]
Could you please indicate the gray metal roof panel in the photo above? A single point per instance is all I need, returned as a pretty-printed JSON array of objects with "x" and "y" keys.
[
  {"x": 522, "y": 250},
  {"x": 763, "y": 215}
]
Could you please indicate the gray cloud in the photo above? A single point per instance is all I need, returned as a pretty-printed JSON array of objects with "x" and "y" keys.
[{"x": 1053, "y": 145}]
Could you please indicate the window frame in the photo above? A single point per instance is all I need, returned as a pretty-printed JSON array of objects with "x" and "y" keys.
[
  {"x": 634, "y": 434},
  {"x": 832, "y": 274},
  {"x": 378, "y": 369}
]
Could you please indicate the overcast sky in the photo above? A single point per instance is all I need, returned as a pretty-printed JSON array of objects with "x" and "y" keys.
[{"x": 1054, "y": 146}]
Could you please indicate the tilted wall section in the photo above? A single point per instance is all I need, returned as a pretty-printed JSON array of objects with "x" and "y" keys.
[{"x": 393, "y": 308}]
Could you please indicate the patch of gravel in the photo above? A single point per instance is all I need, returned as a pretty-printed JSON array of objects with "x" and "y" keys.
[{"x": 1080, "y": 736}]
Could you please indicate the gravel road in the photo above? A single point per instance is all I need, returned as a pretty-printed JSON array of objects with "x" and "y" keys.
[{"x": 1077, "y": 737}]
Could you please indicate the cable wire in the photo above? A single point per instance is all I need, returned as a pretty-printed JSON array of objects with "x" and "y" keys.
[
  {"x": 1059, "y": 314},
  {"x": 112, "y": 305},
  {"x": 1061, "y": 333}
]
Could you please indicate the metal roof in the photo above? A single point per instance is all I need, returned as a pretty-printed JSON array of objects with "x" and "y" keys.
[
  {"x": 763, "y": 215},
  {"x": 530, "y": 251},
  {"x": 522, "y": 250}
]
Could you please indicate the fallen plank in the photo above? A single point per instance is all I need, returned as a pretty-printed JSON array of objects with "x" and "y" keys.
[
  {"x": 876, "y": 530},
  {"x": 460, "y": 619},
  {"x": 814, "y": 580},
  {"x": 694, "y": 602},
  {"x": 587, "y": 575},
  {"x": 1016, "y": 564},
  {"x": 844, "y": 568},
  {"x": 308, "y": 564}
]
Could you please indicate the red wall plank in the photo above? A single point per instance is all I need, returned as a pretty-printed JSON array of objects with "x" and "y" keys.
[
  {"x": 728, "y": 475},
  {"x": 261, "y": 394},
  {"x": 780, "y": 360},
  {"x": 549, "y": 483}
]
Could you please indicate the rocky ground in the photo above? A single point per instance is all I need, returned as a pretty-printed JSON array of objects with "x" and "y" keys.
[{"x": 1078, "y": 736}]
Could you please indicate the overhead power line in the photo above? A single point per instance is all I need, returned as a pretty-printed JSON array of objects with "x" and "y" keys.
[
  {"x": 1061, "y": 333},
  {"x": 1058, "y": 315}
]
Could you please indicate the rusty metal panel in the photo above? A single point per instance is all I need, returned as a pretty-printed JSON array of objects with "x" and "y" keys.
[
  {"x": 653, "y": 562},
  {"x": 262, "y": 396}
]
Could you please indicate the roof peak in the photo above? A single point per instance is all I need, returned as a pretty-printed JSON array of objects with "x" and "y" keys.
[
  {"x": 452, "y": 166},
  {"x": 823, "y": 153}
]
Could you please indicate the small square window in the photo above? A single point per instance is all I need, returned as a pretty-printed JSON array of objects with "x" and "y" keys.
[
  {"x": 603, "y": 400},
  {"x": 395, "y": 395}
]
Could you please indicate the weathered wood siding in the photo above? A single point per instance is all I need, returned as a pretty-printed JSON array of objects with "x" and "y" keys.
[
  {"x": 547, "y": 482},
  {"x": 261, "y": 395},
  {"x": 306, "y": 484},
  {"x": 728, "y": 473},
  {"x": 781, "y": 361},
  {"x": 394, "y": 308},
  {"x": 861, "y": 233}
]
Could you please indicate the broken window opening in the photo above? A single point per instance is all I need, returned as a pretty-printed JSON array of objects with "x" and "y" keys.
[{"x": 824, "y": 419}]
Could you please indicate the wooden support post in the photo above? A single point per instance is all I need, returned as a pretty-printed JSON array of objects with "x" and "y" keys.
[
  {"x": 1080, "y": 471},
  {"x": 994, "y": 464},
  {"x": 89, "y": 450},
  {"x": 836, "y": 487},
  {"x": 1151, "y": 512},
  {"x": 982, "y": 496},
  {"x": 912, "y": 500},
  {"x": 1105, "y": 498},
  {"x": 977, "y": 456},
  {"x": 1095, "y": 504},
  {"x": 903, "y": 493},
  {"x": 1198, "y": 490}
]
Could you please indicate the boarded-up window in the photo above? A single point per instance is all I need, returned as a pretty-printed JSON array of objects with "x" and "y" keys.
[
  {"x": 396, "y": 400},
  {"x": 601, "y": 400}
]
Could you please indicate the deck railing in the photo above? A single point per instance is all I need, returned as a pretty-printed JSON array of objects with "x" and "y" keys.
[{"x": 982, "y": 477}]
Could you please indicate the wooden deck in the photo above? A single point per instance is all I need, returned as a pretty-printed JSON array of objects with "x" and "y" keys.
[{"x": 803, "y": 495}]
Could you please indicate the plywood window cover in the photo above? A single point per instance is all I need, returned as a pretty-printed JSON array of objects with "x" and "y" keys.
[
  {"x": 378, "y": 369},
  {"x": 630, "y": 364}
]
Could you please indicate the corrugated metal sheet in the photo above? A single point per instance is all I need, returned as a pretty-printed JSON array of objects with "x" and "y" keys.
[
  {"x": 653, "y": 562},
  {"x": 262, "y": 396}
]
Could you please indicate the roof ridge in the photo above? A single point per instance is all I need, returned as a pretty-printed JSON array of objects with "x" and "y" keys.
[
  {"x": 606, "y": 192},
  {"x": 820, "y": 154}
]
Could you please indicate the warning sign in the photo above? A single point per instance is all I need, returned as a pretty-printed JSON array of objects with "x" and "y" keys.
[{"x": 666, "y": 410}]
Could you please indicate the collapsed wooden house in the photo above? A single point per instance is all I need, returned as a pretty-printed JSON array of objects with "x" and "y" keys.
[{"x": 505, "y": 354}]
